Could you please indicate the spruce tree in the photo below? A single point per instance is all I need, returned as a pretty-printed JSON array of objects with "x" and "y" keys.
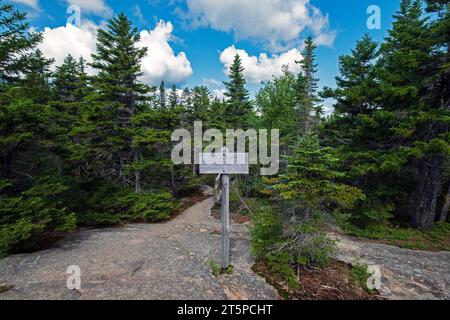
[
  {"x": 389, "y": 127},
  {"x": 70, "y": 80},
  {"x": 173, "y": 98},
  {"x": 440, "y": 93},
  {"x": 36, "y": 77},
  {"x": 119, "y": 94},
  {"x": 238, "y": 107},
  {"x": 407, "y": 73},
  {"x": 356, "y": 132},
  {"x": 200, "y": 103},
  {"x": 16, "y": 42},
  {"x": 357, "y": 86},
  {"x": 307, "y": 99},
  {"x": 162, "y": 96}
]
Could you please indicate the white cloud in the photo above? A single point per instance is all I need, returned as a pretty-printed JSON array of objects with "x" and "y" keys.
[
  {"x": 161, "y": 63},
  {"x": 263, "y": 67},
  {"x": 98, "y": 7},
  {"x": 219, "y": 94},
  {"x": 212, "y": 82},
  {"x": 278, "y": 24},
  {"x": 32, "y": 3},
  {"x": 61, "y": 41}
]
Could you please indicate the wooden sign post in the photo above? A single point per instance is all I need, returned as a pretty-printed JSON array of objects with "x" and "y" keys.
[
  {"x": 224, "y": 165},
  {"x": 225, "y": 217}
]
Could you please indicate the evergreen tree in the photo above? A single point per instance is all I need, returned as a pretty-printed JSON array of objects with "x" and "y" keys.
[
  {"x": 173, "y": 98},
  {"x": 215, "y": 114},
  {"x": 407, "y": 70},
  {"x": 70, "y": 80},
  {"x": 16, "y": 42},
  {"x": 440, "y": 94},
  {"x": 200, "y": 103},
  {"x": 162, "y": 96},
  {"x": 405, "y": 63},
  {"x": 36, "y": 77},
  {"x": 307, "y": 192},
  {"x": 392, "y": 135},
  {"x": 357, "y": 133},
  {"x": 306, "y": 87},
  {"x": 119, "y": 94},
  {"x": 238, "y": 107},
  {"x": 357, "y": 90}
]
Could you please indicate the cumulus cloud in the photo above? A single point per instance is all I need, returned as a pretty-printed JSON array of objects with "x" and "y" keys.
[
  {"x": 278, "y": 24},
  {"x": 160, "y": 63},
  {"x": 98, "y": 7},
  {"x": 31, "y": 3},
  {"x": 61, "y": 41},
  {"x": 262, "y": 67},
  {"x": 219, "y": 94},
  {"x": 212, "y": 82}
]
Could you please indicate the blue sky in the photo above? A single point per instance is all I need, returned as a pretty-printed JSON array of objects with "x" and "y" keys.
[{"x": 196, "y": 39}]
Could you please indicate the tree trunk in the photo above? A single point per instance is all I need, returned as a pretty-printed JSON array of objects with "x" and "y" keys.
[
  {"x": 137, "y": 174},
  {"x": 431, "y": 193},
  {"x": 420, "y": 184},
  {"x": 7, "y": 164},
  {"x": 60, "y": 167},
  {"x": 446, "y": 206},
  {"x": 172, "y": 179}
]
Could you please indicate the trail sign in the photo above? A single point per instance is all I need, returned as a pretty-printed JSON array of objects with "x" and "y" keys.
[{"x": 224, "y": 164}]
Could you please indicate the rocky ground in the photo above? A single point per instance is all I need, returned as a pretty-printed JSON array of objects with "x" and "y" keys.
[
  {"x": 173, "y": 261},
  {"x": 405, "y": 274},
  {"x": 139, "y": 261}
]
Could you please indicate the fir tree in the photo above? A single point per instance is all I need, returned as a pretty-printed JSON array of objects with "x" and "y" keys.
[
  {"x": 173, "y": 98},
  {"x": 200, "y": 103},
  {"x": 162, "y": 96},
  {"x": 358, "y": 90},
  {"x": 36, "y": 77},
  {"x": 238, "y": 106},
  {"x": 120, "y": 93},
  {"x": 306, "y": 87},
  {"x": 70, "y": 80},
  {"x": 16, "y": 42}
]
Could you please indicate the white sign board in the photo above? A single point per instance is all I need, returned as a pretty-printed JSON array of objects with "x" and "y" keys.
[{"x": 228, "y": 163}]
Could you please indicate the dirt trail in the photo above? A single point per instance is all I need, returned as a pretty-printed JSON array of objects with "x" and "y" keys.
[
  {"x": 171, "y": 261},
  {"x": 140, "y": 261}
]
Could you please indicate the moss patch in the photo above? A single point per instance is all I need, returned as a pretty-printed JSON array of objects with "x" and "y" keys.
[
  {"x": 334, "y": 282},
  {"x": 437, "y": 239}
]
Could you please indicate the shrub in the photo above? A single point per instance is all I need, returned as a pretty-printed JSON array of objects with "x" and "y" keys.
[
  {"x": 281, "y": 264},
  {"x": 359, "y": 275},
  {"x": 112, "y": 205},
  {"x": 148, "y": 206},
  {"x": 32, "y": 211},
  {"x": 266, "y": 230}
]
